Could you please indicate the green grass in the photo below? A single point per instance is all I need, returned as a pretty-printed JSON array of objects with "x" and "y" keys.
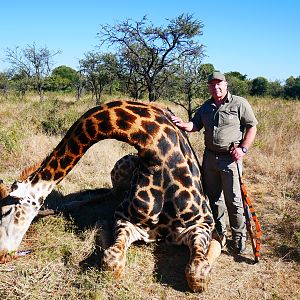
[{"x": 65, "y": 262}]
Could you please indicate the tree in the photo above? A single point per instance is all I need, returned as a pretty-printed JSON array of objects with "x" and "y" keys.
[
  {"x": 65, "y": 72},
  {"x": 63, "y": 78},
  {"x": 21, "y": 83},
  {"x": 32, "y": 61},
  {"x": 205, "y": 70},
  {"x": 292, "y": 87},
  {"x": 237, "y": 75},
  {"x": 259, "y": 86},
  {"x": 187, "y": 85},
  {"x": 237, "y": 83},
  {"x": 150, "y": 50},
  {"x": 190, "y": 81},
  {"x": 111, "y": 67},
  {"x": 99, "y": 70},
  {"x": 4, "y": 84},
  {"x": 134, "y": 82},
  {"x": 275, "y": 89}
]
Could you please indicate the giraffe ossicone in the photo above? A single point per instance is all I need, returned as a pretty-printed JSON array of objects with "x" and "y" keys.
[{"x": 164, "y": 200}]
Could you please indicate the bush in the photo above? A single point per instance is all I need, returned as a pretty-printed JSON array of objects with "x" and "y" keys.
[
  {"x": 9, "y": 139},
  {"x": 58, "y": 119}
]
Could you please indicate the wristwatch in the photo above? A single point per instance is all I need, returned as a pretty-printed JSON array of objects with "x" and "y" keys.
[{"x": 244, "y": 149}]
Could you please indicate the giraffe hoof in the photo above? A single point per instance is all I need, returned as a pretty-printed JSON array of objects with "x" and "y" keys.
[
  {"x": 114, "y": 261},
  {"x": 198, "y": 275},
  {"x": 6, "y": 257}
]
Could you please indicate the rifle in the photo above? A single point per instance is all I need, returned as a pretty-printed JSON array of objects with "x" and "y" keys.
[{"x": 248, "y": 212}]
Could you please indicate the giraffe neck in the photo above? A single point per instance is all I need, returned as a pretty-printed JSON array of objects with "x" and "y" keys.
[{"x": 131, "y": 122}]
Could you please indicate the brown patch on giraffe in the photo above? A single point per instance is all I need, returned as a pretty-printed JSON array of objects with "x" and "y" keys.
[
  {"x": 58, "y": 175},
  {"x": 73, "y": 147},
  {"x": 4, "y": 190},
  {"x": 125, "y": 119},
  {"x": 181, "y": 175},
  {"x": 66, "y": 162},
  {"x": 141, "y": 111},
  {"x": 164, "y": 146},
  {"x": 104, "y": 127},
  {"x": 150, "y": 127},
  {"x": 90, "y": 129},
  {"x": 116, "y": 104}
]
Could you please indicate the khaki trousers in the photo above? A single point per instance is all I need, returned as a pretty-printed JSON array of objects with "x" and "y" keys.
[{"x": 222, "y": 187}]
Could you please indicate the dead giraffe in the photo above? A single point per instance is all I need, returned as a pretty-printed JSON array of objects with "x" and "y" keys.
[{"x": 164, "y": 201}]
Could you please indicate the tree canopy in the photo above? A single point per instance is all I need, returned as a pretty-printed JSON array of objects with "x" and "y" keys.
[
  {"x": 145, "y": 60},
  {"x": 31, "y": 62},
  {"x": 149, "y": 50}
]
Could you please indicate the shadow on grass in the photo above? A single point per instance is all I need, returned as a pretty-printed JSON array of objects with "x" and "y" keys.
[
  {"x": 101, "y": 206},
  {"x": 97, "y": 212},
  {"x": 240, "y": 258},
  {"x": 171, "y": 261},
  {"x": 288, "y": 253}
]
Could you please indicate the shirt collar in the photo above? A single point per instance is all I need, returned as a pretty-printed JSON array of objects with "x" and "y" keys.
[{"x": 228, "y": 98}]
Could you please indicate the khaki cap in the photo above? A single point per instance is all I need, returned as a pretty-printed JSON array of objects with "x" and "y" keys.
[{"x": 216, "y": 75}]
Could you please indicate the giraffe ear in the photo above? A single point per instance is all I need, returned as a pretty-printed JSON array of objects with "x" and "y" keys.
[{"x": 18, "y": 190}]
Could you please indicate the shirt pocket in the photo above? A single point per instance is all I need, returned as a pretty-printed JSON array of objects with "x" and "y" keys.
[{"x": 229, "y": 116}]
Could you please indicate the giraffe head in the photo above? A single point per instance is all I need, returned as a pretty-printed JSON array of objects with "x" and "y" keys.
[
  {"x": 18, "y": 207},
  {"x": 17, "y": 211}
]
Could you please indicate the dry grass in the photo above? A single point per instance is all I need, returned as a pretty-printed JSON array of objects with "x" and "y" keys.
[{"x": 65, "y": 261}]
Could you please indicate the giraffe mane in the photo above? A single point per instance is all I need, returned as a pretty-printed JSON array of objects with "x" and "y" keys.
[
  {"x": 5, "y": 189},
  {"x": 28, "y": 171}
]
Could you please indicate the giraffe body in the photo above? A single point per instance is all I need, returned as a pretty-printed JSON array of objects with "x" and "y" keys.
[
  {"x": 122, "y": 173},
  {"x": 164, "y": 200}
]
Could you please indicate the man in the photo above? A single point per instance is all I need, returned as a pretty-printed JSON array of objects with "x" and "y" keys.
[{"x": 227, "y": 120}]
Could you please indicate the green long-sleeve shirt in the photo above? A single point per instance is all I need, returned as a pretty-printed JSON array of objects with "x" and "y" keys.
[{"x": 225, "y": 124}]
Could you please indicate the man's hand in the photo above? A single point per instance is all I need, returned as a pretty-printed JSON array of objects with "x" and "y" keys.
[
  {"x": 237, "y": 153},
  {"x": 178, "y": 121},
  {"x": 186, "y": 126}
]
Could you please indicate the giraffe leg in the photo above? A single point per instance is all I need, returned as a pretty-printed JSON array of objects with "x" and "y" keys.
[
  {"x": 198, "y": 270},
  {"x": 214, "y": 251},
  {"x": 114, "y": 257}
]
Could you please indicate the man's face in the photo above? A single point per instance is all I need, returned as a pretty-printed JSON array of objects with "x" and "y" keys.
[{"x": 217, "y": 88}]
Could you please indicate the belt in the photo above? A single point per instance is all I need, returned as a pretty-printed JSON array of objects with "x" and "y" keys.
[{"x": 218, "y": 152}]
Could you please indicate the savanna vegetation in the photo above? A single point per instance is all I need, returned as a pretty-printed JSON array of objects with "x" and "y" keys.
[
  {"x": 65, "y": 258},
  {"x": 38, "y": 103}
]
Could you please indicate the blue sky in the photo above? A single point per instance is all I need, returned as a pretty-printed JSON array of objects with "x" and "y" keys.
[{"x": 254, "y": 37}]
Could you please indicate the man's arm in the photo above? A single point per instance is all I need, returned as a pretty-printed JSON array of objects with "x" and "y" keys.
[{"x": 249, "y": 137}]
